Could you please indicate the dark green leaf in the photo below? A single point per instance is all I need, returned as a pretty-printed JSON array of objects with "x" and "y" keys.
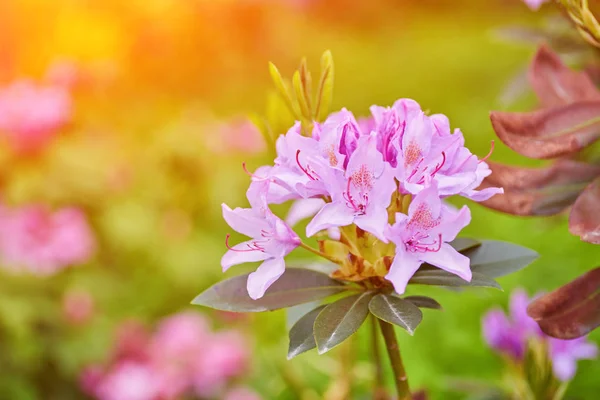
[
  {"x": 396, "y": 311},
  {"x": 494, "y": 258},
  {"x": 295, "y": 286},
  {"x": 424, "y": 302},
  {"x": 302, "y": 338},
  {"x": 572, "y": 310},
  {"x": 438, "y": 277},
  {"x": 463, "y": 244},
  {"x": 339, "y": 320}
]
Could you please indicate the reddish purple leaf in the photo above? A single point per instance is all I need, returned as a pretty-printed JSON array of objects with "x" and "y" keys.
[
  {"x": 584, "y": 220},
  {"x": 555, "y": 83},
  {"x": 549, "y": 133},
  {"x": 538, "y": 191},
  {"x": 572, "y": 310}
]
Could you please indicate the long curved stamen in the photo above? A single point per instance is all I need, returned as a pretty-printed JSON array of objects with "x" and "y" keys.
[
  {"x": 302, "y": 168},
  {"x": 440, "y": 165},
  {"x": 250, "y": 174},
  {"x": 255, "y": 248},
  {"x": 490, "y": 153},
  {"x": 415, "y": 170},
  {"x": 348, "y": 196}
]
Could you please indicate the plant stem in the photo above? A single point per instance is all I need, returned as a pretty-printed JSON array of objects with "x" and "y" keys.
[
  {"x": 393, "y": 350},
  {"x": 321, "y": 254},
  {"x": 379, "y": 392}
]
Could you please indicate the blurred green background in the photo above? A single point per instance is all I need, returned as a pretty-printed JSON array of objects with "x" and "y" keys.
[{"x": 162, "y": 80}]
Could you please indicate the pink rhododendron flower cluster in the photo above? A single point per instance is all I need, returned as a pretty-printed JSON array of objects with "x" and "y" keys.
[
  {"x": 363, "y": 174},
  {"x": 31, "y": 114},
  {"x": 510, "y": 335},
  {"x": 43, "y": 242},
  {"x": 183, "y": 358}
]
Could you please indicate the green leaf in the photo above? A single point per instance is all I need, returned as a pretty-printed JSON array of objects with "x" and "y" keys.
[
  {"x": 424, "y": 302},
  {"x": 306, "y": 79},
  {"x": 438, "y": 277},
  {"x": 339, "y": 320},
  {"x": 302, "y": 338},
  {"x": 325, "y": 90},
  {"x": 300, "y": 97},
  {"x": 295, "y": 286},
  {"x": 463, "y": 244},
  {"x": 282, "y": 90},
  {"x": 572, "y": 310},
  {"x": 495, "y": 259},
  {"x": 396, "y": 311}
]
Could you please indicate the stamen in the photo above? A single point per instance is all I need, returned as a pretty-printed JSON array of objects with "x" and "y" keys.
[
  {"x": 490, "y": 153},
  {"x": 440, "y": 165},
  {"x": 302, "y": 168},
  {"x": 250, "y": 174},
  {"x": 254, "y": 247}
]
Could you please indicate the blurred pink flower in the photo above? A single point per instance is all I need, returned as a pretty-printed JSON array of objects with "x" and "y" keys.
[
  {"x": 241, "y": 393},
  {"x": 31, "y": 114},
  {"x": 43, "y": 242},
  {"x": 237, "y": 135},
  {"x": 129, "y": 380},
  {"x": 132, "y": 342},
  {"x": 226, "y": 357},
  {"x": 78, "y": 306},
  {"x": 535, "y": 4},
  {"x": 63, "y": 73}
]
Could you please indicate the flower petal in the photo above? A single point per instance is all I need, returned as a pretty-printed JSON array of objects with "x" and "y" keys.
[
  {"x": 449, "y": 260},
  {"x": 331, "y": 215},
  {"x": 403, "y": 267},
  {"x": 246, "y": 221},
  {"x": 264, "y": 276},
  {"x": 242, "y": 253},
  {"x": 302, "y": 209}
]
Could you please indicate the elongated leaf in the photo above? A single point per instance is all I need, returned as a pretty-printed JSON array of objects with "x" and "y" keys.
[
  {"x": 302, "y": 338},
  {"x": 424, "y": 302},
  {"x": 495, "y": 259},
  {"x": 295, "y": 286},
  {"x": 551, "y": 132},
  {"x": 396, "y": 311},
  {"x": 570, "y": 311},
  {"x": 294, "y": 313},
  {"x": 283, "y": 90},
  {"x": 299, "y": 92},
  {"x": 463, "y": 244},
  {"x": 555, "y": 83},
  {"x": 584, "y": 220},
  {"x": 325, "y": 90},
  {"x": 438, "y": 277},
  {"x": 539, "y": 191},
  {"x": 339, "y": 320},
  {"x": 306, "y": 80}
]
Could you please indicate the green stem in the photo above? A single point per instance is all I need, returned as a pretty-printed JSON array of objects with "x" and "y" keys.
[
  {"x": 321, "y": 254},
  {"x": 379, "y": 392},
  {"x": 393, "y": 350}
]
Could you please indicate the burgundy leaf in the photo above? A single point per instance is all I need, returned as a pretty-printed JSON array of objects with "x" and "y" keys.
[
  {"x": 552, "y": 132},
  {"x": 584, "y": 220},
  {"x": 538, "y": 191},
  {"x": 572, "y": 310},
  {"x": 555, "y": 83}
]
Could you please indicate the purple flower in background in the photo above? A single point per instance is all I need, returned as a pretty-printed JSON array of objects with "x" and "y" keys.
[
  {"x": 361, "y": 195},
  {"x": 422, "y": 236},
  {"x": 272, "y": 239},
  {"x": 510, "y": 334}
]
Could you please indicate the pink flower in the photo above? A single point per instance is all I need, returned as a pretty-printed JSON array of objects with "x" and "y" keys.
[
  {"x": 225, "y": 357},
  {"x": 43, "y": 242},
  {"x": 510, "y": 335},
  {"x": 272, "y": 240},
  {"x": 78, "y": 306},
  {"x": 239, "y": 134},
  {"x": 422, "y": 236},
  {"x": 535, "y": 4},
  {"x": 359, "y": 196},
  {"x": 30, "y": 114},
  {"x": 129, "y": 381}
]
